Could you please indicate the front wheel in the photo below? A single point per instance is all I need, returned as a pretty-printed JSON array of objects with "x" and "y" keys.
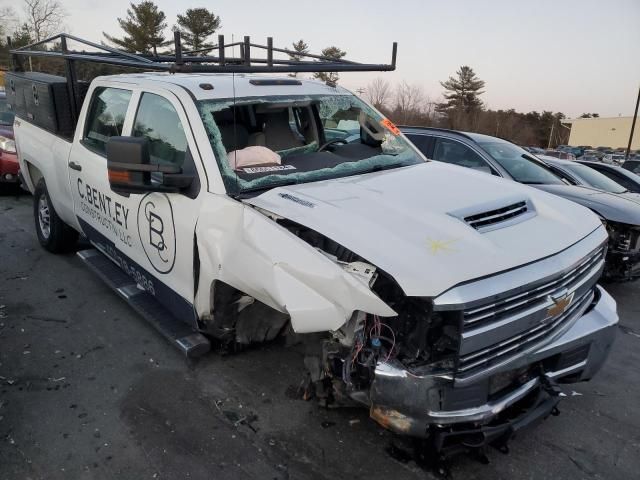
[{"x": 53, "y": 234}]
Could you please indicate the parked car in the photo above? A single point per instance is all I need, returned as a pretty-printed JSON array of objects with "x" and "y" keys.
[
  {"x": 422, "y": 290},
  {"x": 560, "y": 154},
  {"x": 621, "y": 175},
  {"x": 592, "y": 156},
  {"x": 504, "y": 159},
  {"x": 632, "y": 165},
  {"x": 9, "y": 166},
  {"x": 575, "y": 151},
  {"x": 613, "y": 159},
  {"x": 578, "y": 173}
]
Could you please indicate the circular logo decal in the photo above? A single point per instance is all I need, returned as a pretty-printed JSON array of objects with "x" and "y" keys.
[{"x": 157, "y": 231}]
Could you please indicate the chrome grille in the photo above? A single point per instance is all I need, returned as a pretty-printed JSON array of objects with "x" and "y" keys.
[
  {"x": 514, "y": 304},
  {"x": 506, "y": 316},
  {"x": 523, "y": 341},
  {"x": 499, "y": 215},
  {"x": 503, "y": 326}
]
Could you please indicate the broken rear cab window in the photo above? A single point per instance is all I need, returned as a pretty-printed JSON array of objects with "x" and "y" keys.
[{"x": 263, "y": 142}]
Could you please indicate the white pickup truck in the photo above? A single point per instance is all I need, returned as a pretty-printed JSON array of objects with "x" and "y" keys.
[{"x": 240, "y": 207}]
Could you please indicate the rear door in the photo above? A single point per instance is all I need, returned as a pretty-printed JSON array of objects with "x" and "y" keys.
[
  {"x": 150, "y": 236},
  {"x": 457, "y": 153}
]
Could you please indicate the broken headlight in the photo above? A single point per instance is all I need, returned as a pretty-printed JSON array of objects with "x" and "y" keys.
[{"x": 623, "y": 237}]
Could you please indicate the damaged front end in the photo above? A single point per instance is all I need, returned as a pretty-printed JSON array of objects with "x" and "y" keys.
[
  {"x": 477, "y": 363},
  {"x": 460, "y": 369},
  {"x": 623, "y": 258}
]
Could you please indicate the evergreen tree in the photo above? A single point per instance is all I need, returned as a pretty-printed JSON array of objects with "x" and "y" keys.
[
  {"x": 330, "y": 78},
  {"x": 300, "y": 47},
  {"x": 143, "y": 29},
  {"x": 21, "y": 36},
  {"x": 196, "y": 25},
  {"x": 462, "y": 93}
]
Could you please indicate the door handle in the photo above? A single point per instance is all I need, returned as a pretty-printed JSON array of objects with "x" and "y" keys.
[{"x": 75, "y": 166}]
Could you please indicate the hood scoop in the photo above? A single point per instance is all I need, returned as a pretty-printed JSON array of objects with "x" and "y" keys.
[{"x": 498, "y": 216}]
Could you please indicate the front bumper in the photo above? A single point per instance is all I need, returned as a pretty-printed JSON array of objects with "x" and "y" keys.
[
  {"x": 622, "y": 265},
  {"x": 411, "y": 403},
  {"x": 9, "y": 167}
]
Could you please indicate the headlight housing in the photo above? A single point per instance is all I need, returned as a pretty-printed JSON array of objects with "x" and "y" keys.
[{"x": 7, "y": 145}]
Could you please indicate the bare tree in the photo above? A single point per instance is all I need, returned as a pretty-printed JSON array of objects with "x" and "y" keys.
[
  {"x": 7, "y": 18},
  {"x": 379, "y": 92},
  {"x": 409, "y": 102},
  {"x": 43, "y": 17}
]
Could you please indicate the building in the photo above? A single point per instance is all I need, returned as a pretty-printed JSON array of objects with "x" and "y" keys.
[{"x": 610, "y": 132}]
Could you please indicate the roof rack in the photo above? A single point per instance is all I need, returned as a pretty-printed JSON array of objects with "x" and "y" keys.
[
  {"x": 186, "y": 62},
  {"x": 192, "y": 62}
]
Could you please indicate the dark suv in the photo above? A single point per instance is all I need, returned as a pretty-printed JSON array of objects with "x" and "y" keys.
[{"x": 504, "y": 159}]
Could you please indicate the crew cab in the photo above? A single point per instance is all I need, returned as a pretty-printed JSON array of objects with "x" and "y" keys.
[{"x": 448, "y": 302}]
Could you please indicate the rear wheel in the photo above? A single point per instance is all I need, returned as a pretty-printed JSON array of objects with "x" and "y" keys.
[{"x": 53, "y": 234}]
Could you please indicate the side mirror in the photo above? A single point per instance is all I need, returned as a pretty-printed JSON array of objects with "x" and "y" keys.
[{"x": 131, "y": 171}]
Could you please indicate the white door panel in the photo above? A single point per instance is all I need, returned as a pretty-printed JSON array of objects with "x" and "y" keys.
[{"x": 150, "y": 235}]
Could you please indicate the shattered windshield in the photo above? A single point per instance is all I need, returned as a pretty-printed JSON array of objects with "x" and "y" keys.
[{"x": 264, "y": 142}]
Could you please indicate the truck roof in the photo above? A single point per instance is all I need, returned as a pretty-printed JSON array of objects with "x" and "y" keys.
[{"x": 228, "y": 85}]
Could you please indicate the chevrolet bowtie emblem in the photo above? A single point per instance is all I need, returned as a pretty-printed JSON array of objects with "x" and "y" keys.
[{"x": 560, "y": 304}]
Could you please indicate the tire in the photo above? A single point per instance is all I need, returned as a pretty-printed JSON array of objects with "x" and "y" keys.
[{"x": 53, "y": 234}]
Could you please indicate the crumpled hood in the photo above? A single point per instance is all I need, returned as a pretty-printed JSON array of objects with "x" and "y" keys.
[
  {"x": 409, "y": 222},
  {"x": 621, "y": 208}
]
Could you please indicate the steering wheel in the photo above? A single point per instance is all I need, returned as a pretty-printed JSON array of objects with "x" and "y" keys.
[{"x": 331, "y": 142}]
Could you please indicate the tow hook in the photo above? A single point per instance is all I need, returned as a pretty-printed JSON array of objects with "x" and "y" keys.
[{"x": 552, "y": 388}]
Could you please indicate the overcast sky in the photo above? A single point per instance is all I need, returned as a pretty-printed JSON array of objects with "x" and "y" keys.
[{"x": 572, "y": 56}]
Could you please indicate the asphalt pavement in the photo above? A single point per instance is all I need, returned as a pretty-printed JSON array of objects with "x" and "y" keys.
[{"x": 88, "y": 390}]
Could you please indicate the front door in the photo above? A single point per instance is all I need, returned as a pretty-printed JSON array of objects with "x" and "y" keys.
[{"x": 150, "y": 236}]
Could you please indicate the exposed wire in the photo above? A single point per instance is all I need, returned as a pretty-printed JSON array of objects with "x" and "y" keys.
[{"x": 377, "y": 330}]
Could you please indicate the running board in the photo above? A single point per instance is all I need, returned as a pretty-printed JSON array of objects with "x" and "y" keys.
[{"x": 188, "y": 341}]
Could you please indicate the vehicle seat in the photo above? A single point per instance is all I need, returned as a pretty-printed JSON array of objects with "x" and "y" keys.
[
  {"x": 277, "y": 131},
  {"x": 235, "y": 136}
]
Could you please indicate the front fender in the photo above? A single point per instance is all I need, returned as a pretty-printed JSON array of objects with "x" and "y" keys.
[{"x": 251, "y": 252}]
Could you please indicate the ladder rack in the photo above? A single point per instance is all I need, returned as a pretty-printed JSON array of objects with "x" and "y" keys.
[{"x": 191, "y": 61}]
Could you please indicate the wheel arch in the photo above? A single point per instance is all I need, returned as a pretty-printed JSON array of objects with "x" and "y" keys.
[{"x": 33, "y": 176}]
